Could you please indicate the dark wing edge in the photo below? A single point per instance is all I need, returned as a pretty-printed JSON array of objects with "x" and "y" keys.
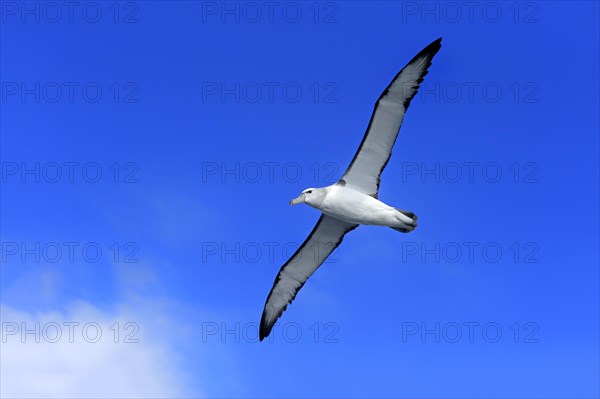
[
  {"x": 427, "y": 53},
  {"x": 272, "y": 312}
]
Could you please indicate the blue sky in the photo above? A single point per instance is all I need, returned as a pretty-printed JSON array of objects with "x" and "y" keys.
[{"x": 149, "y": 152}]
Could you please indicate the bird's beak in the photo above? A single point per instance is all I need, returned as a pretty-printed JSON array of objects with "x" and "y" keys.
[{"x": 298, "y": 200}]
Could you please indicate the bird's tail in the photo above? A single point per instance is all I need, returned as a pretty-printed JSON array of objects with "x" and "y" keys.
[
  {"x": 408, "y": 213},
  {"x": 408, "y": 227}
]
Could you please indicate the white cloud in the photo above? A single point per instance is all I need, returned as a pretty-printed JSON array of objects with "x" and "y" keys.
[{"x": 75, "y": 367}]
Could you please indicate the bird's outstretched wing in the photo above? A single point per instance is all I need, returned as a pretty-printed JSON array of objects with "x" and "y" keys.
[
  {"x": 322, "y": 241},
  {"x": 375, "y": 150}
]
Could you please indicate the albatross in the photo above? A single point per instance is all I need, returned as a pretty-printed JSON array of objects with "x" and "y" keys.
[{"x": 352, "y": 201}]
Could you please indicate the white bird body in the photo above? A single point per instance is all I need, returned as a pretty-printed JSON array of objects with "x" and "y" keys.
[{"x": 345, "y": 203}]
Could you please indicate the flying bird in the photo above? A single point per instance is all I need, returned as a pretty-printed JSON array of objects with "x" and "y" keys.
[{"x": 352, "y": 200}]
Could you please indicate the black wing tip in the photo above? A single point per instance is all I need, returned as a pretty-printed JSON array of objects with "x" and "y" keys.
[
  {"x": 431, "y": 49},
  {"x": 437, "y": 43},
  {"x": 428, "y": 53},
  {"x": 265, "y": 327}
]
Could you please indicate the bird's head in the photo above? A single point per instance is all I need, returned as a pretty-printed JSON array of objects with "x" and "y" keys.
[{"x": 310, "y": 196}]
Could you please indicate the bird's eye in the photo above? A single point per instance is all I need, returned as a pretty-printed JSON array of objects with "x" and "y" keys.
[{"x": 309, "y": 191}]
